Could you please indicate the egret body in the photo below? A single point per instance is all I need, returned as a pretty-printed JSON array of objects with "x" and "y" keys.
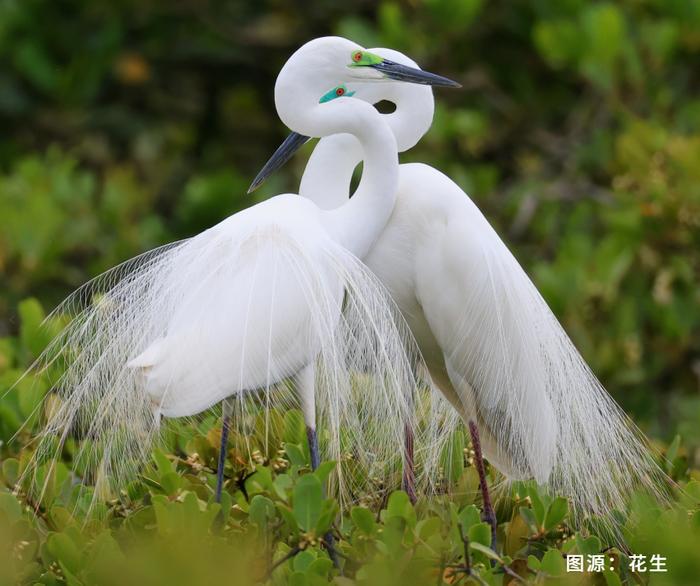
[
  {"x": 491, "y": 345},
  {"x": 272, "y": 292}
]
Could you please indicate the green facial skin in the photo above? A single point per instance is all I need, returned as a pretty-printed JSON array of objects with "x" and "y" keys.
[
  {"x": 361, "y": 58},
  {"x": 337, "y": 92}
]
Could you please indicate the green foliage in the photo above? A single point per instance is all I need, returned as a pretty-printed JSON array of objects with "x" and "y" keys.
[
  {"x": 130, "y": 124},
  {"x": 272, "y": 523}
]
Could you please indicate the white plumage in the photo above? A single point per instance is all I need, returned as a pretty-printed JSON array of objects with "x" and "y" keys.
[
  {"x": 491, "y": 345},
  {"x": 272, "y": 292}
]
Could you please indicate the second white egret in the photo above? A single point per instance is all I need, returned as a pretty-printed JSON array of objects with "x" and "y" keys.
[{"x": 491, "y": 344}]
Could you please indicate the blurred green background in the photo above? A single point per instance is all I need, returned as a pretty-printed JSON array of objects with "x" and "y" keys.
[{"x": 127, "y": 124}]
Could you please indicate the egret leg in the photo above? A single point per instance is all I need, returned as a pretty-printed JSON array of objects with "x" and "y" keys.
[
  {"x": 227, "y": 410},
  {"x": 489, "y": 513},
  {"x": 312, "y": 438},
  {"x": 306, "y": 387},
  {"x": 408, "y": 481}
]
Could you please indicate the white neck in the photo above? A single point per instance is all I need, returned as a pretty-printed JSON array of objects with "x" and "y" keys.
[
  {"x": 328, "y": 173},
  {"x": 358, "y": 222}
]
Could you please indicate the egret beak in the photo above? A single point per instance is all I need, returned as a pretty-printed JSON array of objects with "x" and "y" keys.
[
  {"x": 398, "y": 72},
  {"x": 283, "y": 153},
  {"x": 390, "y": 70}
]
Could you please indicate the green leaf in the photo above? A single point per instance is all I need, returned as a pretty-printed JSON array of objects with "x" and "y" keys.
[
  {"x": 363, "y": 520},
  {"x": 261, "y": 510},
  {"x": 399, "y": 505},
  {"x": 324, "y": 470},
  {"x": 10, "y": 506},
  {"x": 329, "y": 510},
  {"x": 163, "y": 464},
  {"x": 288, "y": 517},
  {"x": 282, "y": 484},
  {"x": 32, "y": 335},
  {"x": 65, "y": 551},
  {"x": 10, "y": 471},
  {"x": 170, "y": 482},
  {"x": 486, "y": 550},
  {"x": 308, "y": 499},
  {"x": 259, "y": 482},
  {"x": 298, "y": 579},
  {"x": 537, "y": 505},
  {"x": 556, "y": 513},
  {"x": 469, "y": 516},
  {"x": 320, "y": 567},
  {"x": 529, "y": 516},
  {"x": 303, "y": 560},
  {"x": 295, "y": 455},
  {"x": 553, "y": 563},
  {"x": 426, "y": 528},
  {"x": 611, "y": 578},
  {"x": 480, "y": 533},
  {"x": 393, "y": 533},
  {"x": 588, "y": 546}
]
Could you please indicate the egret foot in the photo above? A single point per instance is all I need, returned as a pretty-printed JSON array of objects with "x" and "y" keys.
[
  {"x": 328, "y": 538},
  {"x": 408, "y": 481},
  {"x": 225, "y": 428},
  {"x": 489, "y": 514}
]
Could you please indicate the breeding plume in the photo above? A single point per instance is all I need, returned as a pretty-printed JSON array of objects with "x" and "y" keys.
[
  {"x": 272, "y": 292},
  {"x": 491, "y": 345}
]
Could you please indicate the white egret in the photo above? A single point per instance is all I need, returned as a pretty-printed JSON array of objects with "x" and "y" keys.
[
  {"x": 491, "y": 344},
  {"x": 271, "y": 292}
]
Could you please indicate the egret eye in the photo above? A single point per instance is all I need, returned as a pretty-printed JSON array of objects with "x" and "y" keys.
[
  {"x": 364, "y": 59},
  {"x": 337, "y": 92}
]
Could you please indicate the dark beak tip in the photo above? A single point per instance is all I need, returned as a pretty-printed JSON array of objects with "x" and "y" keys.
[
  {"x": 399, "y": 72},
  {"x": 291, "y": 144},
  {"x": 446, "y": 82}
]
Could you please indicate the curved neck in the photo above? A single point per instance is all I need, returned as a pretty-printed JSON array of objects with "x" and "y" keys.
[
  {"x": 359, "y": 221},
  {"x": 328, "y": 173},
  {"x": 415, "y": 107}
]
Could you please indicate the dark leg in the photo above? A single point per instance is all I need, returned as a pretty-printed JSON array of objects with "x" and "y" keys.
[
  {"x": 312, "y": 438},
  {"x": 408, "y": 482},
  {"x": 489, "y": 513},
  {"x": 328, "y": 538},
  {"x": 225, "y": 428}
]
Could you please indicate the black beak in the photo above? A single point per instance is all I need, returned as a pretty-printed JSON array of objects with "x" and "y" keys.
[
  {"x": 283, "y": 153},
  {"x": 295, "y": 141},
  {"x": 400, "y": 72}
]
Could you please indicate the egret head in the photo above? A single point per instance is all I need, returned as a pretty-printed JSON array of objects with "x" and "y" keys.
[
  {"x": 414, "y": 102},
  {"x": 328, "y": 68}
]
